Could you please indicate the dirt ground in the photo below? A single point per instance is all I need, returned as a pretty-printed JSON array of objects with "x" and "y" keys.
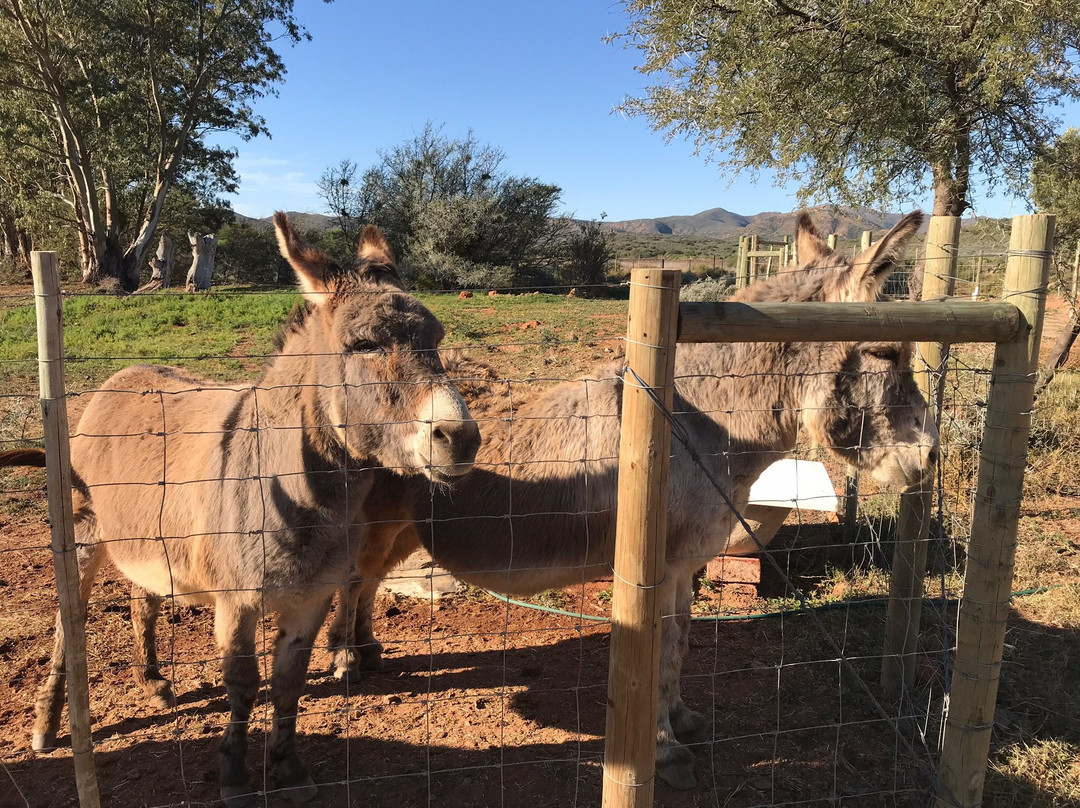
[{"x": 480, "y": 703}]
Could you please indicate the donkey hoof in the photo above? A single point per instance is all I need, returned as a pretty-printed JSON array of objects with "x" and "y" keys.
[
  {"x": 371, "y": 657},
  {"x": 677, "y": 774},
  {"x": 159, "y": 695},
  {"x": 241, "y": 796},
  {"x": 43, "y": 741},
  {"x": 351, "y": 661},
  {"x": 301, "y": 792},
  {"x": 691, "y": 727}
]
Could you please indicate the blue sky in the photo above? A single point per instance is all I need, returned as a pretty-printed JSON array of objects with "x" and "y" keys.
[{"x": 531, "y": 77}]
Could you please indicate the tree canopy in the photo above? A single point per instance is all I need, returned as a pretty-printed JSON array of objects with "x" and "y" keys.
[
  {"x": 861, "y": 102},
  {"x": 1055, "y": 185},
  {"x": 450, "y": 212},
  {"x": 108, "y": 104}
]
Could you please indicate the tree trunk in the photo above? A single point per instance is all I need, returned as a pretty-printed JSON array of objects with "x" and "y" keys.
[
  {"x": 9, "y": 243},
  {"x": 1059, "y": 354},
  {"x": 161, "y": 263},
  {"x": 203, "y": 249},
  {"x": 160, "y": 267},
  {"x": 950, "y": 195}
]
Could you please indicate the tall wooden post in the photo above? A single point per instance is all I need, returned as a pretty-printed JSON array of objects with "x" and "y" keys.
[
  {"x": 741, "y": 271},
  {"x": 50, "y": 332},
  {"x": 866, "y": 240},
  {"x": 916, "y": 505},
  {"x": 831, "y": 240},
  {"x": 978, "y": 276},
  {"x": 752, "y": 262},
  {"x": 980, "y": 630},
  {"x": 640, "y": 542}
]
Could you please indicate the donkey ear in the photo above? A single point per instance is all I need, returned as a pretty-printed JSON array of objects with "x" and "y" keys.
[
  {"x": 312, "y": 266},
  {"x": 873, "y": 265},
  {"x": 809, "y": 245},
  {"x": 374, "y": 248}
]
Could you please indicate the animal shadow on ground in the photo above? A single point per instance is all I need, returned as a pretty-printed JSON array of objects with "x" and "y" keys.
[{"x": 779, "y": 737}]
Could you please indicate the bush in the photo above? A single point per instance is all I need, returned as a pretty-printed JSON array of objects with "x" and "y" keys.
[
  {"x": 249, "y": 255},
  {"x": 588, "y": 253},
  {"x": 708, "y": 290}
]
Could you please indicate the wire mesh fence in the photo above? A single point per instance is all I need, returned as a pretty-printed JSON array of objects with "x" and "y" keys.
[{"x": 484, "y": 699}]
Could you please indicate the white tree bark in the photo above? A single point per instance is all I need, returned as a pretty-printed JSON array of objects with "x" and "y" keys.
[
  {"x": 203, "y": 249},
  {"x": 161, "y": 263}
]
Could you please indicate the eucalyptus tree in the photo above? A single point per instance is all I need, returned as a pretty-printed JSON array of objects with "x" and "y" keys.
[
  {"x": 860, "y": 102},
  {"x": 119, "y": 99}
]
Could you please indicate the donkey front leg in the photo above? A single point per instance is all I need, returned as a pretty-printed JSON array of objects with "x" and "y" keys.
[
  {"x": 691, "y": 727},
  {"x": 352, "y": 635},
  {"x": 297, "y": 629},
  {"x": 234, "y": 629},
  {"x": 50, "y": 696},
  {"x": 144, "y": 613},
  {"x": 676, "y": 724}
]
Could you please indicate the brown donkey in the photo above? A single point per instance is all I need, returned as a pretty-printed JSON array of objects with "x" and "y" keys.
[
  {"x": 539, "y": 509},
  {"x": 250, "y": 497}
]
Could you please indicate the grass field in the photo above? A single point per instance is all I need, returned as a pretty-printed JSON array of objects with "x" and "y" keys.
[{"x": 226, "y": 335}]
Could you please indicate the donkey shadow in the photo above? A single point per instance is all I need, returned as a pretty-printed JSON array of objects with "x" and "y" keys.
[{"x": 767, "y": 706}]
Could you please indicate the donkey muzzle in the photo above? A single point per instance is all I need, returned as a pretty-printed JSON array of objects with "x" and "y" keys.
[{"x": 447, "y": 442}]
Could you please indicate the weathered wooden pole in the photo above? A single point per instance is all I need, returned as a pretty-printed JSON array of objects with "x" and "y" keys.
[
  {"x": 916, "y": 505},
  {"x": 978, "y": 276},
  {"x": 741, "y": 272},
  {"x": 866, "y": 240},
  {"x": 984, "y": 610},
  {"x": 50, "y": 332},
  {"x": 832, "y": 241},
  {"x": 752, "y": 262},
  {"x": 640, "y": 541}
]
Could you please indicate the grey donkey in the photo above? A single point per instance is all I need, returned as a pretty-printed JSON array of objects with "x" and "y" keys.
[{"x": 250, "y": 497}]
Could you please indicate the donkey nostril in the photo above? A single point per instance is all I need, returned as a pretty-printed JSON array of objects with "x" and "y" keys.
[
  {"x": 438, "y": 434},
  {"x": 932, "y": 456}
]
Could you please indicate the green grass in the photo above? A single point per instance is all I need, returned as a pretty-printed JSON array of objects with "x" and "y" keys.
[
  {"x": 225, "y": 335},
  {"x": 102, "y": 333}
]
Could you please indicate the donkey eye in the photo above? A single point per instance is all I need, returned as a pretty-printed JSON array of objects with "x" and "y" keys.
[
  {"x": 366, "y": 348},
  {"x": 888, "y": 354}
]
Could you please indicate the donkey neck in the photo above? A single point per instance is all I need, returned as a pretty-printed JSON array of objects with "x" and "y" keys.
[{"x": 753, "y": 391}]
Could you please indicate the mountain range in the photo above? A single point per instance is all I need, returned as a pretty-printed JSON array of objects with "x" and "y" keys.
[
  {"x": 718, "y": 223},
  {"x": 721, "y": 223}
]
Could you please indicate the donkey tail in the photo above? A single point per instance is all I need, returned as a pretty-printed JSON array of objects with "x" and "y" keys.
[{"x": 23, "y": 457}]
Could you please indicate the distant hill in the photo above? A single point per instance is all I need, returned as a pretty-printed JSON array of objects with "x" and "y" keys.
[
  {"x": 724, "y": 225},
  {"x": 301, "y": 221},
  {"x": 714, "y": 223},
  {"x": 720, "y": 223}
]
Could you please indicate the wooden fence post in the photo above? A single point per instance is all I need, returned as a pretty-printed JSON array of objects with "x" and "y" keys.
[
  {"x": 741, "y": 272},
  {"x": 640, "y": 542},
  {"x": 916, "y": 505},
  {"x": 984, "y": 610},
  {"x": 831, "y": 240},
  {"x": 978, "y": 276},
  {"x": 866, "y": 240},
  {"x": 50, "y": 334}
]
